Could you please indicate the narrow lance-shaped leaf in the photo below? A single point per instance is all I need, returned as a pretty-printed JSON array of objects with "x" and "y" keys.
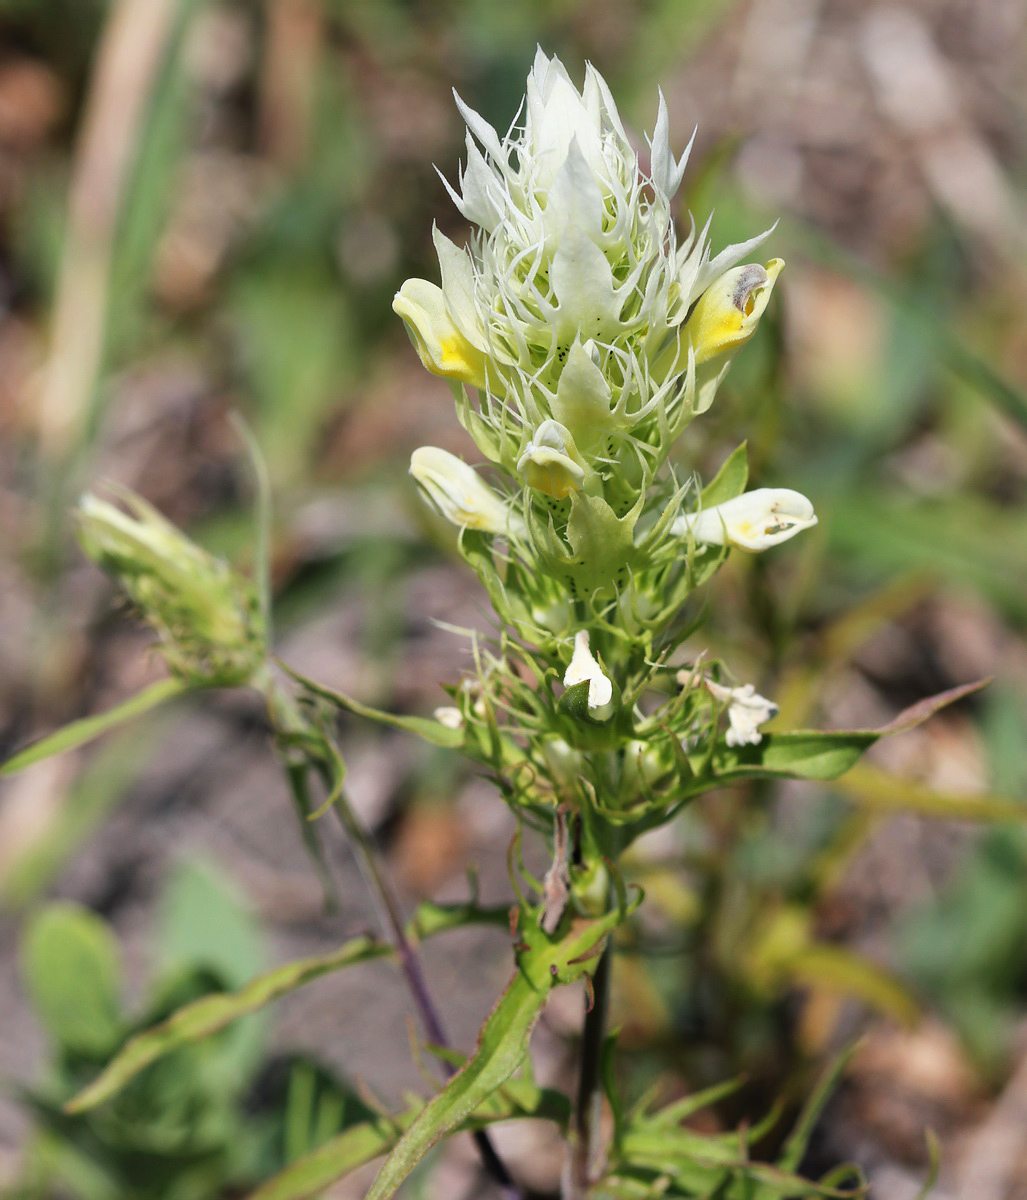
[
  {"x": 210, "y": 1014},
  {"x": 79, "y": 732},
  {"x": 813, "y": 754},
  {"x": 876, "y": 790},
  {"x": 502, "y": 1042}
]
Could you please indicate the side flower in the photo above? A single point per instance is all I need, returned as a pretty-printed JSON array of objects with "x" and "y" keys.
[
  {"x": 460, "y": 494},
  {"x": 753, "y": 521},
  {"x": 727, "y": 313},
  {"x": 442, "y": 348}
]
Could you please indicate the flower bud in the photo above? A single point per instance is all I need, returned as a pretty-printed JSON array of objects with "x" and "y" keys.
[
  {"x": 442, "y": 347},
  {"x": 551, "y": 461},
  {"x": 450, "y": 717},
  {"x": 752, "y": 521},
  {"x": 207, "y": 616},
  {"x": 726, "y": 314},
  {"x": 459, "y": 493}
]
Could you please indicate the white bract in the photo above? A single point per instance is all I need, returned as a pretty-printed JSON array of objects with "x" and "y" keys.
[
  {"x": 752, "y": 521},
  {"x": 459, "y": 493},
  {"x": 584, "y": 667},
  {"x": 746, "y": 712}
]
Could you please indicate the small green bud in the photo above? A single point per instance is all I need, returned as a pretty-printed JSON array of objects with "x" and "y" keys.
[{"x": 206, "y": 615}]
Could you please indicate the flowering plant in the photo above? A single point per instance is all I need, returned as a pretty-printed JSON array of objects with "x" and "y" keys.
[{"x": 581, "y": 335}]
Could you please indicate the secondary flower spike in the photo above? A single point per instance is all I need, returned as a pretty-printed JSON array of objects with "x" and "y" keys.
[
  {"x": 207, "y": 616},
  {"x": 752, "y": 521}
]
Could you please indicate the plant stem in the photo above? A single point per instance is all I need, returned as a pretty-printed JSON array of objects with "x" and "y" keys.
[
  {"x": 391, "y": 918},
  {"x": 585, "y": 1146}
]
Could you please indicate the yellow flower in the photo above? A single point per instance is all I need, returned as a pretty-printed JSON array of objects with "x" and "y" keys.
[
  {"x": 726, "y": 314},
  {"x": 551, "y": 461},
  {"x": 442, "y": 347}
]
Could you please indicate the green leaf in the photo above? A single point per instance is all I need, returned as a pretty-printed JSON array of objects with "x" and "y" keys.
[
  {"x": 730, "y": 480},
  {"x": 212, "y": 1013},
  {"x": 933, "y": 1166},
  {"x": 423, "y": 727},
  {"x": 502, "y": 1042},
  {"x": 204, "y": 923},
  {"x": 502, "y": 1045},
  {"x": 431, "y": 918},
  {"x": 822, "y": 964},
  {"x": 99, "y": 786},
  {"x": 262, "y": 521},
  {"x": 79, "y": 732},
  {"x": 800, "y": 753},
  {"x": 798, "y": 1139},
  {"x": 71, "y": 970}
]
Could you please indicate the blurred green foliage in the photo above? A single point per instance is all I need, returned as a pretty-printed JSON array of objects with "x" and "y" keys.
[{"x": 204, "y": 1118}]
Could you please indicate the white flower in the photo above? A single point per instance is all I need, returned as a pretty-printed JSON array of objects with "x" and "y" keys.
[
  {"x": 583, "y": 666},
  {"x": 460, "y": 494},
  {"x": 746, "y": 712},
  {"x": 752, "y": 521}
]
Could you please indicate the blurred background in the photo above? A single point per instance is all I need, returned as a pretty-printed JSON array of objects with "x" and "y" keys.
[{"x": 206, "y": 207}]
